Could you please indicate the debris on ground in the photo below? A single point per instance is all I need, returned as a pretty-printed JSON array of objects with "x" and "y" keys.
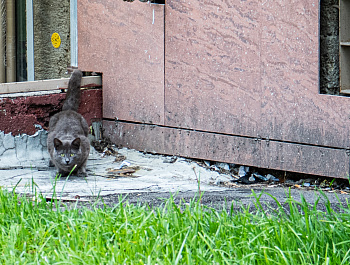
[
  {"x": 122, "y": 172},
  {"x": 171, "y": 159},
  {"x": 243, "y": 175},
  {"x": 232, "y": 175}
]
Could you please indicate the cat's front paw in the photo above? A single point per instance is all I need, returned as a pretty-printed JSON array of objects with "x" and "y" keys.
[{"x": 82, "y": 174}]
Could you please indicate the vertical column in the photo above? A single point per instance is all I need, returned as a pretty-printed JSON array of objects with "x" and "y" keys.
[
  {"x": 2, "y": 42},
  {"x": 30, "y": 40},
  {"x": 74, "y": 33},
  {"x": 10, "y": 41},
  {"x": 344, "y": 33}
]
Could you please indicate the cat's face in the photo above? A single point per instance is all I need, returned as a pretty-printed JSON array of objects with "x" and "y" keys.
[{"x": 67, "y": 153}]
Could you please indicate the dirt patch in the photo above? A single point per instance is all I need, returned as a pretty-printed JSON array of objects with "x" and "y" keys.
[{"x": 232, "y": 199}]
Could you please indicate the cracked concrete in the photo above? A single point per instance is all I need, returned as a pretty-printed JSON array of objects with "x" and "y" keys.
[
  {"x": 24, "y": 166},
  {"x": 23, "y": 151}
]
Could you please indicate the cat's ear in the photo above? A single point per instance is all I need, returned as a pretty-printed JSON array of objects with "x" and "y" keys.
[
  {"x": 76, "y": 143},
  {"x": 57, "y": 143}
]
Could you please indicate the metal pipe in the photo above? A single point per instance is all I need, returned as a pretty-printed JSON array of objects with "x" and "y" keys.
[
  {"x": 10, "y": 41},
  {"x": 2, "y": 43},
  {"x": 30, "y": 40}
]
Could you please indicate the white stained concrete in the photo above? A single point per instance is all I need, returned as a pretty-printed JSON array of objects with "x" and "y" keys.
[{"x": 26, "y": 170}]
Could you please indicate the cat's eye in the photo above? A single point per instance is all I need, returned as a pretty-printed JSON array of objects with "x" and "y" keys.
[
  {"x": 71, "y": 154},
  {"x": 62, "y": 155}
]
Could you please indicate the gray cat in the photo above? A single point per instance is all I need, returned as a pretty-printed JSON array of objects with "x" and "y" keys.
[{"x": 67, "y": 141}]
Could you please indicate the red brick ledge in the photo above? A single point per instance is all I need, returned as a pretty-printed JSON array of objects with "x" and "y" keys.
[{"x": 22, "y": 115}]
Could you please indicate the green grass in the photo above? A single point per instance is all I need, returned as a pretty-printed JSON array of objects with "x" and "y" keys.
[{"x": 37, "y": 232}]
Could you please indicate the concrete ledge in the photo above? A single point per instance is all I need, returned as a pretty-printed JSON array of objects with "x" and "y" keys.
[{"x": 47, "y": 85}]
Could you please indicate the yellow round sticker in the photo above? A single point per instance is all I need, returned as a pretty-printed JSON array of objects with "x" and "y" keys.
[{"x": 55, "y": 40}]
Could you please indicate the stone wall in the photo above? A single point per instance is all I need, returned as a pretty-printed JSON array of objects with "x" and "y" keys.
[{"x": 50, "y": 17}]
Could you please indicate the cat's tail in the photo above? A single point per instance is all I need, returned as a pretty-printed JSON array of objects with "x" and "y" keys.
[{"x": 73, "y": 94}]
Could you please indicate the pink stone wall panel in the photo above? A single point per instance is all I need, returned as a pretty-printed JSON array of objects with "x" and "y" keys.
[
  {"x": 250, "y": 68},
  {"x": 212, "y": 66},
  {"x": 246, "y": 70},
  {"x": 292, "y": 108},
  {"x": 125, "y": 41}
]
